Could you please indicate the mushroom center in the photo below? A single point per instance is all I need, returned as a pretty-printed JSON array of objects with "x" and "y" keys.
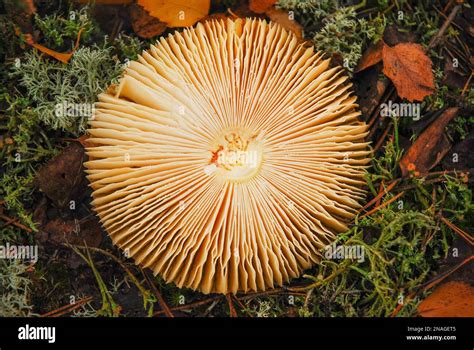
[{"x": 237, "y": 155}]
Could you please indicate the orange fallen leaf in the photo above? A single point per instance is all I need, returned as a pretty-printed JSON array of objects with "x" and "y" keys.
[
  {"x": 63, "y": 57},
  {"x": 409, "y": 69},
  {"x": 177, "y": 13},
  {"x": 106, "y": 2},
  {"x": 261, "y": 6},
  {"x": 430, "y": 147},
  {"x": 144, "y": 25},
  {"x": 371, "y": 56},
  {"x": 281, "y": 17},
  {"x": 452, "y": 299}
]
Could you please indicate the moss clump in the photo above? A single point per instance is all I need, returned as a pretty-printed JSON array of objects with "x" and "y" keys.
[
  {"x": 315, "y": 8},
  {"x": 335, "y": 29},
  {"x": 57, "y": 90},
  {"x": 344, "y": 33},
  {"x": 25, "y": 147},
  {"x": 59, "y": 30},
  {"x": 15, "y": 289}
]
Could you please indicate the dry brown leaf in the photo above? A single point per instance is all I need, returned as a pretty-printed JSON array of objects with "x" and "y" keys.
[
  {"x": 242, "y": 11},
  {"x": 452, "y": 299},
  {"x": 28, "y": 6},
  {"x": 62, "y": 178},
  {"x": 144, "y": 25},
  {"x": 430, "y": 147},
  {"x": 59, "y": 231},
  {"x": 465, "y": 158},
  {"x": 371, "y": 57},
  {"x": 177, "y": 13},
  {"x": 281, "y": 17},
  {"x": 409, "y": 69},
  {"x": 261, "y": 6},
  {"x": 215, "y": 16}
]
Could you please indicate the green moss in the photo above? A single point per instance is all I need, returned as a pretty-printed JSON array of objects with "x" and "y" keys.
[
  {"x": 336, "y": 29},
  {"x": 344, "y": 34},
  {"x": 58, "y": 30},
  {"x": 385, "y": 167},
  {"x": 421, "y": 20},
  {"x": 26, "y": 146},
  {"x": 15, "y": 289},
  {"x": 403, "y": 244},
  {"x": 315, "y": 8},
  {"x": 263, "y": 307},
  {"x": 50, "y": 84},
  {"x": 129, "y": 47},
  {"x": 396, "y": 262}
]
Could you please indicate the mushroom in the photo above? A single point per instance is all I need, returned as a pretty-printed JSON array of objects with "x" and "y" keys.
[{"x": 228, "y": 156}]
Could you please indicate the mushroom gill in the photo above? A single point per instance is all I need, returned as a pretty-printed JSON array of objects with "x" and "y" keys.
[{"x": 228, "y": 156}]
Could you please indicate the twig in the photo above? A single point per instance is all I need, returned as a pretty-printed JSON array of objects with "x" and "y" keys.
[
  {"x": 447, "y": 6},
  {"x": 14, "y": 222},
  {"x": 242, "y": 306},
  {"x": 466, "y": 85},
  {"x": 381, "y": 194},
  {"x": 259, "y": 294},
  {"x": 190, "y": 306},
  {"x": 444, "y": 16},
  {"x": 381, "y": 187},
  {"x": 445, "y": 26},
  {"x": 273, "y": 292},
  {"x": 382, "y": 138},
  {"x": 158, "y": 295},
  {"x": 383, "y": 97},
  {"x": 466, "y": 236},
  {"x": 232, "y": 311},
  {"x": 67, "y": 308},
  {"x": 458, "y": 54},
  {"x": 444, "y": 275},
  {"x": 384, "y": 204},
  {"x": 307, "y": 298}
]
